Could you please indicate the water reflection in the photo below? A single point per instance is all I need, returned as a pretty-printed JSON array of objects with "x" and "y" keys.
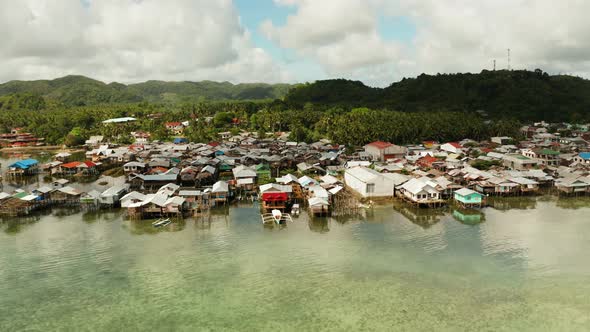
[
  {"x": 144, "y": 227},
  {"x": 469, "y": 216},
  {"x": 513, "y": 203},
  {"x": 65, "y": 212},
  {"x": 422, "y": 217},
  {"x": 15, "y": 226},
  {"x": 319, "y": 225},
  {"x": 573, "y": 203}
]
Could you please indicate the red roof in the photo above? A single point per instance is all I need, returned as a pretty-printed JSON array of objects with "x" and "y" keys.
[
  {"x": 456, "y": 145},
  {"x": 213, "y": 144},
  {"x": 158, "y": 169},
  {"x": 142, "y": 134},
  {"x": 427, "y": 160},
  {"x": 275, "y": 196},
  {"x": 173, "y": 124},
  {"x": 380, "y": 144},
  {"x": 73, "y": 164}
]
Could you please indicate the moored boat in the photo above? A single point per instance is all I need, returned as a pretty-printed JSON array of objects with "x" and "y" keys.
[
  {"x": 295, "y": 210},
  {"x": 161, "y": 222},
  {"x": 277, "y": 216}
]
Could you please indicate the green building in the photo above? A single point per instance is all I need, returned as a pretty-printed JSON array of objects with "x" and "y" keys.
[{"x": 468, "y": 197}]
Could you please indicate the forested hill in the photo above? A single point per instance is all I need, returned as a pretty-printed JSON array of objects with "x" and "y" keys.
[
  {"x": 525, "y": 95},
  {"x": 84, "y": 91}
]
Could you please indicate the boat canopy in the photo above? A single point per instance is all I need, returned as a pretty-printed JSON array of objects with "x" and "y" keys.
[{"x": 274, "y": 196}]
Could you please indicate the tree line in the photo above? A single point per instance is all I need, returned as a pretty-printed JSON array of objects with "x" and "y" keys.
[{"x": 354, "y": 127}]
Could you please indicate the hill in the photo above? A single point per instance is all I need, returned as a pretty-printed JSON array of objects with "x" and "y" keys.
[
  {"x": 157, "y": 91},
  {"x": 82, "y": 91},
  {"x": 525, "y": 95}
]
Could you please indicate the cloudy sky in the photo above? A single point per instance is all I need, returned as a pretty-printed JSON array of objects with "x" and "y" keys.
[{"x": 376, "y": 41}]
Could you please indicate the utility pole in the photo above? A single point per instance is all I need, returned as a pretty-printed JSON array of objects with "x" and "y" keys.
[{"x": 509, "y": 59}]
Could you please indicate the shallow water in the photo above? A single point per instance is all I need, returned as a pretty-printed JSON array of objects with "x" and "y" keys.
[{"x": 524, "y": 269}]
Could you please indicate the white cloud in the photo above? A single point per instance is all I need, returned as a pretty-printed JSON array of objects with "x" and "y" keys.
[
  {"x": 467, "y": 36},
  {"x": 133, "y": 40},
  {"x": 130, "y": 40},
  {"x": 451, "y": 36},
  {"x": 341, "y": 35}
]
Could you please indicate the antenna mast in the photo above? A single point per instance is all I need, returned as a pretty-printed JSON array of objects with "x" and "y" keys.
[
  {"x": 494, "y": 64},
  {"x": 509, "y": 59}
]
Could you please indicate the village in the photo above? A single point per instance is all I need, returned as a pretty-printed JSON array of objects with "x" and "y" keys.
[{"x": 182, "y": 179}]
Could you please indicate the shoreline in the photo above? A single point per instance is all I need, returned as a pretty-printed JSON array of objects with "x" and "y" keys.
[
  {"x": 499, "y": 203},
  {"x": 41, "y": 149},
  {"x": 35, "y": 148}
]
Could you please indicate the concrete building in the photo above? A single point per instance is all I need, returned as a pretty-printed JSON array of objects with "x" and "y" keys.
[
  {"x": 368, "y": 182},
  {"x": 382, "y": 151}
]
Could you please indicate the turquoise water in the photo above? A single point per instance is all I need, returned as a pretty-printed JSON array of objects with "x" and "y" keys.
[{"x": 524, "y": 269}]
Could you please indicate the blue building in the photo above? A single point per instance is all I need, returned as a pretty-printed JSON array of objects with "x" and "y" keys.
[
  {"x": 583, "y": 157},
  {"x": 24, "y": 167},
  {"x": 468, "y": 197}
]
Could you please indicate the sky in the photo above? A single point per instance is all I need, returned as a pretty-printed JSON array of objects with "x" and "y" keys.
[{"x": 374, "y": 41}]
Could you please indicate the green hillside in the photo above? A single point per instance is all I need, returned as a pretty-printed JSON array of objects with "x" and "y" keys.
[
  {"x": 84, "y": 91},
  {"x": 525, "y": 95}
]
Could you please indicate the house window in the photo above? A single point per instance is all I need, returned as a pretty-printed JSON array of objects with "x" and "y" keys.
[{"x": 370, "y": 188}]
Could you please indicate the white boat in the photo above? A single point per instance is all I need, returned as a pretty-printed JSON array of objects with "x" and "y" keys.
[
  {"x": 295, "y": 210},
  {"x": 161, "y": 222},
  {"x": 276, "y": 216}
]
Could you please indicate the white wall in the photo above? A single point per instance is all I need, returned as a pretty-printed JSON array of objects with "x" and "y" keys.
[{"x": 383, "y": 185}]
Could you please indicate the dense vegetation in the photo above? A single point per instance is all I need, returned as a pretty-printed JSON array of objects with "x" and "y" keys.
[
  {"x": 72, "y": 125},
  {"x": 525, "y": 95},
  {"x": 84, "y": 91},
  {"x": 441, "y": 107}
]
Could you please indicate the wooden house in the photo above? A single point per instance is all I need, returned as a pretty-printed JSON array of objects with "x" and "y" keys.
[
  {"x": 468, "y": 198},
  {"x": 319, "y": 206},
  {"x": 573, "y": 185},
  {"x": 134, "y": 167},
  {"x": 112, "y": 196},
  {"x": 175, "y": 205},
  {"x": 151, "y": 182},
  {"x": 23, "y": 167},
  {"x": 188, "y": 175},
  {"x": 207, "y": 176},
  {"x": 63, "y": 157},
  {"x": 220, "y": 193},
  {"x": 275, "y": 196},
  {"x": 382, "y": 151},
  {"x": 66, "y": 196},
  {"x": 419, "y": 191}
]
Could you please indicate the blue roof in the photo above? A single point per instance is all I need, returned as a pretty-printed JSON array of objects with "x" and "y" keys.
[
  {"x": 24, "y": 164},
  {"x": 585, "y": 155},
  {"x": 180, "y": 140}
]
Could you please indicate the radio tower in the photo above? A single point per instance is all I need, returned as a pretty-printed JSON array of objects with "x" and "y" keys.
[
  {"x": 494, "y": 64},
  {"x": 508, "y": 59}
]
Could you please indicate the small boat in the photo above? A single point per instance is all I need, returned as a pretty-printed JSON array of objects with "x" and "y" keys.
[
  {"x": 295, "y": 210},
  {"x": 277, "y": 217},
  {"x": 161, "y": 222}
]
